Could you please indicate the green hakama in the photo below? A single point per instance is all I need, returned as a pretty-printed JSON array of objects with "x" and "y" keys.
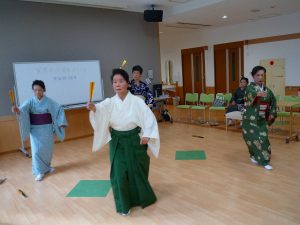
[
  {"x": 129, "y": 171},
  {"x": 122, "y": 124}
]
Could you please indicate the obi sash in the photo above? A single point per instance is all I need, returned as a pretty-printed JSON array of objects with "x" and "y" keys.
[
  {"x": 40, "y": 119},
  {"x": 263, "y": 109}
]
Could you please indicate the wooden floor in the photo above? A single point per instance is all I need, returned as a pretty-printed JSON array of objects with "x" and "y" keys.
[{"x": 223, "y": 189}]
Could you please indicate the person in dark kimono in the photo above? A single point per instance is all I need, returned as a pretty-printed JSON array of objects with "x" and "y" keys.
[
  {"x": 138, "y": 87},
  {"x": 237, "y": 101},
  {"x": 260, "y": 112}
]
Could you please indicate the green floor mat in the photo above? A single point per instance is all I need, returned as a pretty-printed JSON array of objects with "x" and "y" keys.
[
  {"x": 90, "y": 188},
  {"x": 190, "y": 155}
]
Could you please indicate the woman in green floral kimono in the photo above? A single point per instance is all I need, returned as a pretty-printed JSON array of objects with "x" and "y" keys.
[{"x": 260, "y": 112}]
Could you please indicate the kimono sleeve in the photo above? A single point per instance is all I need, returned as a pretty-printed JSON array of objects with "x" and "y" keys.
[
  {"x": 149, "y": 127},
  {"x": 100, "y": 123},
  {"x": 251, "y": 97},
  {"x": 149, "y": 97},
  {"x": 273, "y": 107},
  {"x": 234, "y": 96},
  {"x": 24, "y": 120},
  {"x": 59, "y": 119}
]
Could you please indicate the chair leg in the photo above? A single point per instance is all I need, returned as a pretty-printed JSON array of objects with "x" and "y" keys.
[
  {"x": 180, "y": 113},
  {"x": 188, "y": 115},
  {"x": 179, "y": 117},
  {"x": 202, "y": 120},
  {"x": 211, "y": 117}
]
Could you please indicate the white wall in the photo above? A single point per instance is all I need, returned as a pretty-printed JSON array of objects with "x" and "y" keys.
[
  {"x": 52, "y": 32},
  {"x": 289, "y": 50},
  {"x": 172, "y": 40}
]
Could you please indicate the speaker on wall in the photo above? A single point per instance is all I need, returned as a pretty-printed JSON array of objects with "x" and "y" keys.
[{"x": 153, "y": 15}]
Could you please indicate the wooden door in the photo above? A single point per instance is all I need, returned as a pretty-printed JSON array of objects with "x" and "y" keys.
[
  {"x": 220, "y": 71},
  {"x": 198, "y": 67},
  {"x": 187, "y": 73},
  {"x": 228, "y": 63},
  {"x": 193, "y": 70},
  {"x": 234, "y": 69}
]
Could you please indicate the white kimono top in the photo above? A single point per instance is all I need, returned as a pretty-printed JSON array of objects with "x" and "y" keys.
[{"x": 124, "y": 115}]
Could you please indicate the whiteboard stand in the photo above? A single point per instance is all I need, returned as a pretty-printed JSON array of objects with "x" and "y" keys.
[
  {"x": 102, "y": 89},
  {"x": 23, "y": 150}
]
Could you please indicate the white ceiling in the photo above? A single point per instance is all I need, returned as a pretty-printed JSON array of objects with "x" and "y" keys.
[
  {"x": 185, "y": 13},
  {"x": 127, "y": 5}
]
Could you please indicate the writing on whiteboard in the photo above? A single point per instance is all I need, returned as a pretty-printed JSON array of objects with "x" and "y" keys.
[
  {"x": 60, "y": 70},
  {"x": 57, "y": 75},
  {"x": 65, "y": 78}
]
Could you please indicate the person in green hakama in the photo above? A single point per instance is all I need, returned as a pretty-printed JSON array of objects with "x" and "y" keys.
[
  {"x": 260, "y": 112},
  {"x": 130, "y": 127}
]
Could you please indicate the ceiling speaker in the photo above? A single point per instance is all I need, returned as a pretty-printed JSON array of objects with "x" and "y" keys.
[{"x": 153, "y": 15}]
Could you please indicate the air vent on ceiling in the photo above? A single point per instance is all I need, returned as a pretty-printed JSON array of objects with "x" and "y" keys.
[
  {"x": 187, "y": 25},
  {"x": 269, "y": 15}
]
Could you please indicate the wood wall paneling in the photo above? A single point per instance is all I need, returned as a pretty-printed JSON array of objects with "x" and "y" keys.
[
  {"x": 292, "y": 90},
  {"x": 210, "y": 90},
  {"x": 272, "y": 39},
  {"x": 79, "y": 126}
]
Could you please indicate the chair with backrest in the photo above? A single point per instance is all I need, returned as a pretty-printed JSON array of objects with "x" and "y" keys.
[
  {"x": 228, "y": 97},
  {"x": 204, "y": 102},
  {"x": 189, "y": 100},
  {"x": 218, "y": 105},
  {"x": 281, "y": 112}
]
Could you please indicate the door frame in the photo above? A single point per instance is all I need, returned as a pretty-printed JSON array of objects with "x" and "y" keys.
[
  {"x": 190, "y": 52},
  {"x": 226, "y": 47}
]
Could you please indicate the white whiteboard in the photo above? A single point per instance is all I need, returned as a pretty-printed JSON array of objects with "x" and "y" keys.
[{"x": 67, "y": 82}]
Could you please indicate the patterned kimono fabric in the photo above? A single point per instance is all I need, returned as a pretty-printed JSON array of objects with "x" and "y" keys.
[
  {"x": 40, "y": 117},
  {"x": 142, "y": 89},
  {"x": 122, "y": 123},
  {"x": 255, "y": 121}
]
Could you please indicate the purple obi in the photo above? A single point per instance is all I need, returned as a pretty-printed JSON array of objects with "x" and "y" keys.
[{"x": 40, "y": 119}]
